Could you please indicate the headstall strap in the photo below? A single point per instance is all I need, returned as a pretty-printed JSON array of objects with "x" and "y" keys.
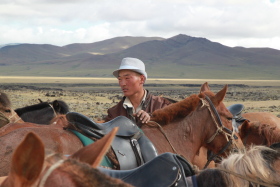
[
  {"x": 220, "y": 128},
  {"x": 48, "y": 172},
  {"x": 55, "y": 114}
]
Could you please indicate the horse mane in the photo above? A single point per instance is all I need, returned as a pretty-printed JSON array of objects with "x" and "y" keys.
[
  {"x": 4, "y": 100},
  {"x": 176, "y": 110},
  {"x": 58, "y": 105},
  {"x": 255, "y": 163},
  {"x": 271, "y": 133},
  {"x": 86, "y": 175},
  {"x": 31, "y": 108},
  {"x": 213, "y": 177}
]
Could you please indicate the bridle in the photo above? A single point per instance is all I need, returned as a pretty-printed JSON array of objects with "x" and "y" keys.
[
  {"x": 8, "y": 119},
  {"x": 49, "y": 171},
  {"x": 55, "y": 114},
  {"x": 221, "y": 129}
]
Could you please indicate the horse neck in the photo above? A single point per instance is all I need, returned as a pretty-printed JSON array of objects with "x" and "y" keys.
[
  {"x": 72, "y": 172},
  {"x": 186, "y": 135}
]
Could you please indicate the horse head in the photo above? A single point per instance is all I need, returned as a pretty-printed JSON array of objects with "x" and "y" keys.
[
  {"x": 7, "y": 114},
  {"x": 198, "y": 120},
  {"x": 60, "y": 107},
  {"x": 30, "y": 167},
  {"x": 223, "y": 138},
  {"x": 257, "y": 133}
]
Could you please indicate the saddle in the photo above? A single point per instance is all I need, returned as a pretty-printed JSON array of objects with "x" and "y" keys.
[
  {"x": 131, "y": 147},
  {"x": 167, "y": 169},
  {"x": 236, "y": 111}
]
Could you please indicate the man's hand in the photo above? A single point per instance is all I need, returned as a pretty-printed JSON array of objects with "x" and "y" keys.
[{"x": 143, "y": 116}]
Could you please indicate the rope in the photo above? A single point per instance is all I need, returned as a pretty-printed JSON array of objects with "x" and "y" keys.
[
  {"x": 13, "y": 115},
  {"x": 162, "y": 131}
]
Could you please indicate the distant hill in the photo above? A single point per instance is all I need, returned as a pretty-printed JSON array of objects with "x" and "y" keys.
[{"x": 180, "y": 56}]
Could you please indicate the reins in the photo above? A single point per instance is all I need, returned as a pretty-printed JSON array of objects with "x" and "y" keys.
[
  {"x": 48, "y": 173},
  {"x": 162, "y": 131}
]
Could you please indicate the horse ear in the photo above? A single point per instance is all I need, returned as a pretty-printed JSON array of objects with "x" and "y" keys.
[
  {"x": 221, "y": 94},
  {"x": 94, "y": 153},
  {"x": 56, "y": 105},
  {"x": 28, "y": 160},
  {"x": 204, "y": 87},
  {"x": 244, "y": 128}
]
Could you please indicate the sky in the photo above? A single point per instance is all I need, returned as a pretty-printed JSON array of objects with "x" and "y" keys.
[{"x": 247, "y": 23}]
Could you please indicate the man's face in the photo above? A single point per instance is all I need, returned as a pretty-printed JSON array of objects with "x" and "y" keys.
[{"x": 130, "y": 82}]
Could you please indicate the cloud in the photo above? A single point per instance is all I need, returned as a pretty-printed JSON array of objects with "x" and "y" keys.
[{"x": 248, "y": 23}]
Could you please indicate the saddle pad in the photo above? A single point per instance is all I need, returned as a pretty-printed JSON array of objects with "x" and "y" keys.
[{"x": 86, "y": 141}]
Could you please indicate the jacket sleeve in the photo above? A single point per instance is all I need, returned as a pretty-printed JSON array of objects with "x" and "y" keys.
[{"x": 109, "y": 116}]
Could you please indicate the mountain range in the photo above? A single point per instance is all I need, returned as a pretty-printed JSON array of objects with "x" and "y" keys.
[{"x": 180, "y": 56}]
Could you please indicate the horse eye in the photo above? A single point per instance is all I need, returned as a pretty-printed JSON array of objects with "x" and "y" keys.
[
  {"x": 8, "y": 110},
  {"x": 229, "y": 119}
]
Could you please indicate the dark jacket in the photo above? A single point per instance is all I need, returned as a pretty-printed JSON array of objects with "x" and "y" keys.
[{"x": 151, "y": 104}]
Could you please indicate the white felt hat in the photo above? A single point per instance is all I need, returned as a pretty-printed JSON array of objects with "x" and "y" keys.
[{"x": 132, "y": 64}]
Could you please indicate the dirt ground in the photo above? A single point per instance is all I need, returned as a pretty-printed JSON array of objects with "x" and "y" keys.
[{"x": 94, "y": 98}]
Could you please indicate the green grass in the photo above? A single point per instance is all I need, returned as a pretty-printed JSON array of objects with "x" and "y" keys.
[{"x": 163, "y": 70}]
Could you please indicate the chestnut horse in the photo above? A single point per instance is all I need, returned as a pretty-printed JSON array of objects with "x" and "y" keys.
[
  {"x": 31, "y": 168},
  {"x": 263, "y": 117},
  {"x": 257, "y": 133},
  {"x": 54, "y": 137},
  {"x": 199, "y": 120}
]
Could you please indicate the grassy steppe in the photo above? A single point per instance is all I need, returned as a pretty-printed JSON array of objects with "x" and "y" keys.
[{"x": 93, "y": 96}]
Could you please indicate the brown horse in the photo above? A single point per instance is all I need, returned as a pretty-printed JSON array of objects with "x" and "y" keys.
[
  {"x": 263, "y": 117},
  {"x": 257, "y": 133},
  {"x": 59, "y": 121},
  {"x": 186, "y": 126},
  {"x": 31, "y": 168},
  {"x": 54, "y": 137}
]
